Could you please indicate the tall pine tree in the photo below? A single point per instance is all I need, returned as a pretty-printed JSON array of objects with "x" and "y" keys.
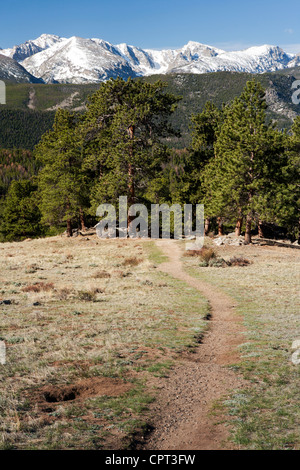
[
  {"x": 248, "y": 156},
  {"x": 122, "y": 133},
  {"x": 61, "y": 180}
]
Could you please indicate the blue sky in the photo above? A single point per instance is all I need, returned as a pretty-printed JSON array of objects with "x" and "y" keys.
[{"x": 157, "y": 24}]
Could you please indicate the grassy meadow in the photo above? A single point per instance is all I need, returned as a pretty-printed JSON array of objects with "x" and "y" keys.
[
  {"x": 92, "y": 325},
  {"x": 89, "y": 326},
  {"x": 266, "y": 416}
]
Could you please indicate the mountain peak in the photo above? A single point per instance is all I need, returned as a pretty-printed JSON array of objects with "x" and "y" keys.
[{"x": 80, "y": 60}]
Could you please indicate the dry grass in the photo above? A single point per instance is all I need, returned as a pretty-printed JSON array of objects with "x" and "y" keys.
[
  {"x": 206, "y": 253},
  {"x": 101, "y": 275},
  {"x": 110, "y": 319},
  {"x": 38, "y": 287}
]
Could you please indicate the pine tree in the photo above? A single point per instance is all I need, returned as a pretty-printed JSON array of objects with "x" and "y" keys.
[
  {"x": 286, "y": 193},
  {"x": 21, "y": 217},
  {"x": 122, "y": 131},
  {"x": 292, "y": 173},
  {"x": 205, "y": 128},
  {"x": 61, "y": 180},
  {"x": 248, "y": 157}
]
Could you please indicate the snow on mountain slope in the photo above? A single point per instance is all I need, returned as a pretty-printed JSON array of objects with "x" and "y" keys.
[
  {"x": 78, "y": 60},
  {"x": 199, "y": 58},
  {"x": 138, "y": 59},
  {"x": 31, "y": 47},
  {"x": 168, "y": 60},
  {"x": 11, "y": 70},
  {"x": 295, "y": 62}
]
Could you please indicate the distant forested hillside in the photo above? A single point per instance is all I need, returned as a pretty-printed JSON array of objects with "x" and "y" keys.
[
  {"x": 16, "y": 165},
  {"x": 223, "y": 87},
  {"x": 234, "y": 160},
  {"x": 22, "y": 127}
]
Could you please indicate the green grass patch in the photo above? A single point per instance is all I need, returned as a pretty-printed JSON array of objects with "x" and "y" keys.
[{"x": 154, "y": 253}]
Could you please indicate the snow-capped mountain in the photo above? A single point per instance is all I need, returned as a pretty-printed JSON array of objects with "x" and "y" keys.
[
  {"x": 196, "y": 58},
  {"x": 31, "y": 47},
  {"x": 11, "y": 70},
  {"x": 295, "y": 62},
  {"x": 77, "y": 60}
]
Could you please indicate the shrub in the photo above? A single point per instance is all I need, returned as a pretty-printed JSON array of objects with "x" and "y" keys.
[
  {"x": 101, "y": 275},
  {"x": 131, "y": 261},
  {"x": 64, "y": 293},
  {"x": 87, "y": 296},
  {"x": 205, "y": 253},
  {"x": 38, "y": 287},
  {"x": 217, "y": 263},
  {"x": 241, "y": 261}
]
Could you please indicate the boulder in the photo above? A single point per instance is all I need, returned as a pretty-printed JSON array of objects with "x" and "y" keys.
[
  {"x": 296, "y": 344},
  {"x": 296, "y": 357},
  {"x": 2, "y": 353}
]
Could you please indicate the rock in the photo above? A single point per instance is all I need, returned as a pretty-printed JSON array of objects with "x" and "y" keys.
[
  {"x": 2, "y": 353},
  {"x": 87, "y": 232},
  {"x": 230, "y": 239},
  {"x": 219, "y": 241},
  {"x": 296, "y": 344},
  {"x": 296, "y": 357},
  {"x": 237, "y": 242},
  {"x": 5, "y": 302}
]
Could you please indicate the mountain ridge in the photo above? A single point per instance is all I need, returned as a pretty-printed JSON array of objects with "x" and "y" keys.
[
  {"x": 55, "y": 59},
  {"x": 12, "y": 71}
]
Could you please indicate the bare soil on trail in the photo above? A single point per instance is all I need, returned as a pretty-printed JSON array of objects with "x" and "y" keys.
[{"x": 183, "y": 418}]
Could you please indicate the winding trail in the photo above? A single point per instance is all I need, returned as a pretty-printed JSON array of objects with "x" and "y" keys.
[{"x": 183, "y": 419}]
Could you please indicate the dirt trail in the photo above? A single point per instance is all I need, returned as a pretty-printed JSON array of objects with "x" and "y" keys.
[
  {"x": 183, "y": 419},
  {"x": 32, "y": 99}
]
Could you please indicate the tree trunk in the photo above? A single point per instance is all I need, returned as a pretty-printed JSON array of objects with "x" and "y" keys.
[
  {"x": 220, "y": 226},
  {"x": 83, "y": 227},
  {"x": 248, "y": 238},
  {"x": 207, "y": 226},
  {"x": 131, "y": 186},
  {"x": 260, "y": 229},
  {"x": 249, "y": 217},
  {"x": 69, "y": 228},
  {"x": 238, "y": 227}
]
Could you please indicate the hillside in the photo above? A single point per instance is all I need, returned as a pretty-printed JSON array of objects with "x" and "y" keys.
[
  {"x": 77, "y": 60},
  {"x": 292, "y": 72},
  {"x": 11, "y": 70},
  {"x": 38, "y": 102}
]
